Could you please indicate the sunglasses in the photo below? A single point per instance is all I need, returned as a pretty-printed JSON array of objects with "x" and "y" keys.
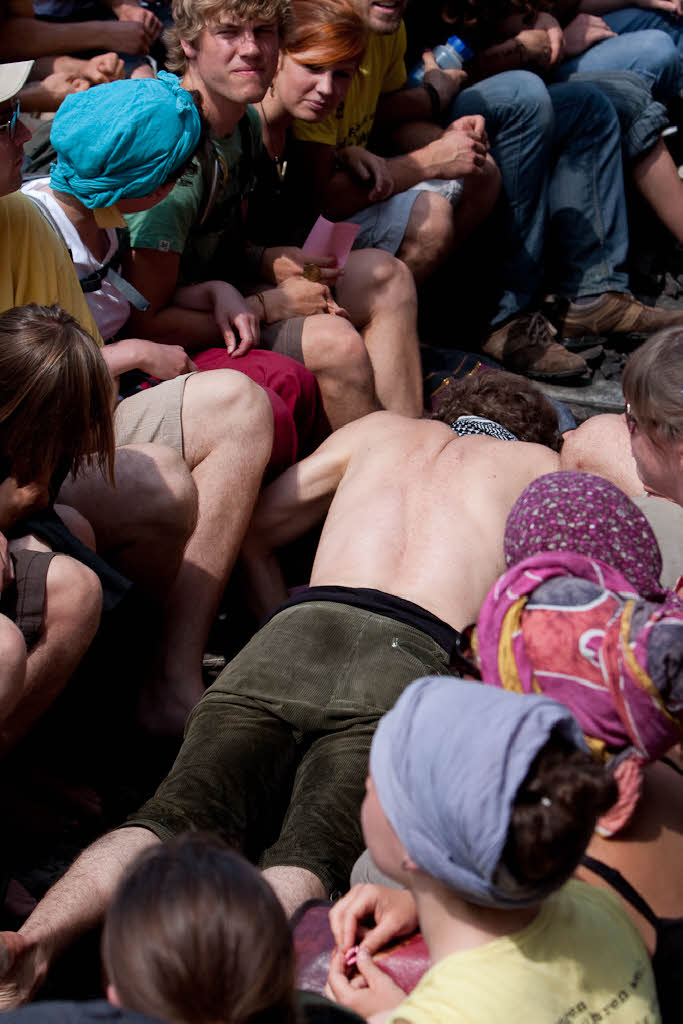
[
  {"x": 11, "y": 125},
  {"x": 631, "y": 421}
]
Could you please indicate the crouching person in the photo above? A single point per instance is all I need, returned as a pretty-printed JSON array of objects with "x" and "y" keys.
[{"x": 55, "y": 417}]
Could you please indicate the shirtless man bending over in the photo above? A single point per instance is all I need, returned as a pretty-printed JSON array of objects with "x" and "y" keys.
[{"x": 275, "y": 754}]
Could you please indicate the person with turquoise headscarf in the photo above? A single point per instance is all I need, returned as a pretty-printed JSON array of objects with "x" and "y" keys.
[{"x": 121, "y": 147}]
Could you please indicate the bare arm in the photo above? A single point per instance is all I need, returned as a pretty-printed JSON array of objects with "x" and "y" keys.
[
  {"x": 289, "y": 507},
  {"x": 155, "y": 275},
  {"x": 452, "y": 154},
  {"x": 605, "y": 6},
  {"x": 230, "y": 309},
  {"x": 28, "y": 37},
  {"x": 162, "y": 361},
  {"x": 76, "y": 903}
]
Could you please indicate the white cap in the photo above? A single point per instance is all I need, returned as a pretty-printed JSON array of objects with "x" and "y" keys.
[{"x": 12, "y": 78}]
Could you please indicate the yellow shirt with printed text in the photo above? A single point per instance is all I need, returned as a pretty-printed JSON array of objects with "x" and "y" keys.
[
  {"x": 382, "y": 70},
  {"x": 580, "y": 961}
]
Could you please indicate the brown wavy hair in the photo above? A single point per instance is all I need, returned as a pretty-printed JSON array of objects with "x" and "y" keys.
[
  {"x": 195, "y": 935},
  {"x": 56, "y": 395},
  {"x": 514, "y": 402}
]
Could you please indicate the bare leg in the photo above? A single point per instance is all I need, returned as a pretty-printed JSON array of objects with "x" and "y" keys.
[
  {"x": 379, "y": 294},
  {"x": 227, "y": 432},
  {"x": 479, "y": 196},
  {"x": 76, "y": 903},
  {"x": 602, "y": 446},
  {"x": 73, "y": 603},
  {"x": 429, "y": 237},
  {"x": 12, "y": 665},
  {"x": 335, "y": 352},
  {"x": 77, "y": 524},
  {"x": 656, "y": 177},
  {"x": 143, "y": 524},
  {"x": 293, "y": 886}
]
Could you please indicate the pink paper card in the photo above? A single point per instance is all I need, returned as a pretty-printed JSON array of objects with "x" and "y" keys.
[{"x": 328, "y": 239}]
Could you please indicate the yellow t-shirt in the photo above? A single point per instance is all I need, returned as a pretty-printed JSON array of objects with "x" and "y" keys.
[
  {"x": 35, "y": 265},
  {"x": 383, "y": 70},
  {"x": 580, "y": 961}
]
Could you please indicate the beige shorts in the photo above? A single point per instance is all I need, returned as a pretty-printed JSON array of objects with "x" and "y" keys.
[{"x": 153, "y": 415}]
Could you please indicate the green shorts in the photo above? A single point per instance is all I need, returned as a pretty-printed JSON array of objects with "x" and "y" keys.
[{"x": 276, "y": 753}]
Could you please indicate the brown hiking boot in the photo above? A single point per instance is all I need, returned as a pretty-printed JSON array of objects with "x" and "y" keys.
[
  {"x": 527, "y": 345},
  {"x": 616, "y": 313}
]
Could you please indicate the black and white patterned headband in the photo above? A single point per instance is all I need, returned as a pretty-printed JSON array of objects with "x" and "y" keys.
[{"x": 478, "y": 425}]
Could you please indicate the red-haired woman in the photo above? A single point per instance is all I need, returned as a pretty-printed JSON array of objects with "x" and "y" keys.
[{"x": 323, "y": 50}]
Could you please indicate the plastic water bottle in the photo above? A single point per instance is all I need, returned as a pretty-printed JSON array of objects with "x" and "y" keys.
[{"x": 451, "y": 54}]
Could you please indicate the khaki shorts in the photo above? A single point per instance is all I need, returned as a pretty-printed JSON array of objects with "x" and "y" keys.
[{"x": 153, "y": 415}]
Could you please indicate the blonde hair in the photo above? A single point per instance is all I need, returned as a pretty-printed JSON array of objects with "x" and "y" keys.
[
  {"x": 191, "y": 17},
  {"x": 653, "y": 385},
  {"x": 56, "y": 395}
]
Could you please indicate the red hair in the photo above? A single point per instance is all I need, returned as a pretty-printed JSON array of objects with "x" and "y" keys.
[{"x": 331, "y": 29}]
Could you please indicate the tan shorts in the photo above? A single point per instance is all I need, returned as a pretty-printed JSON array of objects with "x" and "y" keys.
[{"x": 153, "y": 415}]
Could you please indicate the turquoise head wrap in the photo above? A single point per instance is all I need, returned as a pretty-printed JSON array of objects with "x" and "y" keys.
[{"x": 122, "y": 140}]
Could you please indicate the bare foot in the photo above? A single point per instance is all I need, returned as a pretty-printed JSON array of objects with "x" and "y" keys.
[
  {"x": 20, "y": 975},
  {"x": 165, "y": 704}
]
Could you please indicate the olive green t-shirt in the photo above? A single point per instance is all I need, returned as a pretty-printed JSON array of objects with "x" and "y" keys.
[{"x": 215, "y": 248}]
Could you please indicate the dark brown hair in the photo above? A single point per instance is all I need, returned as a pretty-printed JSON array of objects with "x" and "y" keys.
[
  {"x": 556, "y": 807},
  {"x": 195, "y": 935},
  {"x": 514, "y": 402},
  {"x": 653, "y": 385},
  {"x": 56, "y": 395}
]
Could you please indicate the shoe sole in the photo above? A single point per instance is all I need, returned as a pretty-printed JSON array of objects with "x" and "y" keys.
[{"x": 579, "y": 376}]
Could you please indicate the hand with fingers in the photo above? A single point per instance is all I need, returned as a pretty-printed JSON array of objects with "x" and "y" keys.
[
  {"x": 365, "y": 989},
  {"x": 299, "y": 297},
  {"x": 393, "y": 912},
  {"x": 286, "y": 261},
  {"x": 447, "y": 81},
  {"x": 236, "y": 321},
  {"x": 584, "y": 31},
  {"x": 369, "y": 168}
]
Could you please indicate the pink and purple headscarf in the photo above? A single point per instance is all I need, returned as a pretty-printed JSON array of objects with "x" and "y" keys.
[{"x": 582, "y": 513}]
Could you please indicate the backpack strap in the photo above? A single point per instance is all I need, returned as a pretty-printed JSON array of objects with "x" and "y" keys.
[{"x": 108, "y": 271}]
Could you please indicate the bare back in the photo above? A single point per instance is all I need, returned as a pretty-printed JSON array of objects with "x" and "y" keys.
[{"x": 420, "y": 513}]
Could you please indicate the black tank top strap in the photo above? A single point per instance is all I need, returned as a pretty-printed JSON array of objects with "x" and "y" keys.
[{"x": 624, "y": 888}]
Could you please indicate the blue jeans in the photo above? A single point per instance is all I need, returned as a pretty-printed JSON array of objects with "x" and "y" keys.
[
  {"x": 559, "y": 153},
  {"x": 635, "y": 19},
  {"x": 653, "y": 54}
]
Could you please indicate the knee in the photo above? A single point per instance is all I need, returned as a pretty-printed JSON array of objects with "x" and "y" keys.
[
  {"x": 390, "y": 282},
  {"x": 659, "y": 56},
  {"x": 231, "y": 403},
  {"x": 333, "y": 347},
  {"x": 73, "y": 595},
  {"x": 528, "y": 99},
  {"x": 512, "y": 100}
]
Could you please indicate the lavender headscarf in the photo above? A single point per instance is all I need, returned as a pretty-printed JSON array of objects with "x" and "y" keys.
[{"x": 447, "y": 762}]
